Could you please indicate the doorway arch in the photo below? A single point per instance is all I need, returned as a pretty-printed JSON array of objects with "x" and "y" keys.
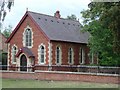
[{"x": 23, "y": 63}]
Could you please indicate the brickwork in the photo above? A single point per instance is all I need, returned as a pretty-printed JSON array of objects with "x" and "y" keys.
[
  {"x": 40, "y": 38},
  {"x": 3, "y": 45},
  {"x": 64, "y": 48},
  {"x": 62, "y": 76}
]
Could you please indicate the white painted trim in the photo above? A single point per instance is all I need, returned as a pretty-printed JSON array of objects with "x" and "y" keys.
[
  {"x": 28, "y": 27},
  {"x": 92, "y": 62},
  {"x": 23, "y": 41},
  {"x": 60, "y": 62},
  {"x": 72, "y": 56},
  {"x": 12, "y": 53},
  {"x": 62, "y": 72},
  {"x": 39, "y": 54},
  {"x": 83, "y": 55},
  {"x": 78, "y": 73},
  {"x": 91, "y": 58}
]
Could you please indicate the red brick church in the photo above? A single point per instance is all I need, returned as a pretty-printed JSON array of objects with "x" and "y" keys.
[{"x": 47, "y": 43}]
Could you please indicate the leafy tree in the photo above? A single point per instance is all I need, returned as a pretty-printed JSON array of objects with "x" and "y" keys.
[
  {"x": 102, "y": 21},
  {"x": 7, "y": 31},
  {"x": 3, "y": 11},
  {"x": 72, "y": 17}
]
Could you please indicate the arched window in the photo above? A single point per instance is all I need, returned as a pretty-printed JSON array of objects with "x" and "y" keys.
[
  {"x": 28, "y": 37},
  {"x": 58, "y": 55},
  {"x": 82, "y": 56},
  {"x": 70, "y": 55},
  {"x": 14, "y": 52},
  {"x": 91, "y": 57},
  {"x": 42, "y": 54}
]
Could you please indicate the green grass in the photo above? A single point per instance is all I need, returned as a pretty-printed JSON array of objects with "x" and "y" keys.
[{"x": 12, "y": 83}]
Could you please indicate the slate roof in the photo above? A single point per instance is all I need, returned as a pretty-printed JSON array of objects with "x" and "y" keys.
[
  {"x": 25, "y": 50},
  {"x": 56, "y": 29},
  {"x": 60, "y": 29}
]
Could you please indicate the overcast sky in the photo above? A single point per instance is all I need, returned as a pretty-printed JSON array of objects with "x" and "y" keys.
[{"x": 66, "y": 7}]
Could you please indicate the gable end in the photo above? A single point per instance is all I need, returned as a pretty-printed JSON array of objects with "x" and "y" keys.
[{"x": 19, "y": 24}]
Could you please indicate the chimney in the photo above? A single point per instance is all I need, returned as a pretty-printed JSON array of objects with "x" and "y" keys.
[{"x": 57, "y": 14}]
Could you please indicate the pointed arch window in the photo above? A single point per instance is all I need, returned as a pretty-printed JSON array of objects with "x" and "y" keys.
[
  {"x": 82, "y": 56},
  {"x": 70, "y": 56},
  {"x": 14, "y": 52},
  {"x": 28, "y": 37},
  {"x": 58, "y": 55},
  {"x": 92, "y": 58},
  {"x": 42, "y": 54}
]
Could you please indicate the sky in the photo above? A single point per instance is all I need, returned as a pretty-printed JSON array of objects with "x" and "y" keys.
[{"x": 49, "y": 7}]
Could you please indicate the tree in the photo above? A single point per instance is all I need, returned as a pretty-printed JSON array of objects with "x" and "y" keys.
[
  {"x": 72, "y": 17},
  {"x": 102, "y": 21},
  {"x": 3, "y": 11},
  {"x": 7, "y": 31}
]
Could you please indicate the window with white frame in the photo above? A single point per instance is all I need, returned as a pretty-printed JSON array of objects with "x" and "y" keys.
[
  {"x": 58, "y": 55},
  {"x": 82, "y": 56},
  {"x": 14, "y": 52},
  {"x": 27, "y": 37},
  {"x": 42, "y": 54},
  {"x": 70, "y": 56},
  {"x": 91, "y": 57}
]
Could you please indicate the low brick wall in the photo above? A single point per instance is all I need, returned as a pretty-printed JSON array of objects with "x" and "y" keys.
[{"x": 63, "y": 76}]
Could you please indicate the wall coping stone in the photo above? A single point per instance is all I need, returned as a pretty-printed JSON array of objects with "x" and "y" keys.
[{"x": 83, "y": 73}]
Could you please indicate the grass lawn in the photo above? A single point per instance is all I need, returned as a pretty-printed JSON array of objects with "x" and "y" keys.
[{"x": 12, "y": 83}]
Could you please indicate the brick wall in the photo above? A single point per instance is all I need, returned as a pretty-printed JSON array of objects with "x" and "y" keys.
[
  {"x": 3, "y": 45},
  {"x": 38, "y": 38},
  {"x": 65, "y": 47},
  {"x": 62, "y": 76}
]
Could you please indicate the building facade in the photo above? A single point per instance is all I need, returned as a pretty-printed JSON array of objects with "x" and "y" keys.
[
  {"x": 3, "y": 45},
  {"x": 3, "y": 50},
  {"x": 47, "y": 43}
]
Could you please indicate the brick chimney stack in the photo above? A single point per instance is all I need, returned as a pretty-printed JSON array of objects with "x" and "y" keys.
[{"x": 57, "y": 14}]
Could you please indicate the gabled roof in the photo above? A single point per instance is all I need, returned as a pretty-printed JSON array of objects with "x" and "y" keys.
[
  {"x": 59, "y": 29},
  {"x": 16, "y": 28},
  {"x": 25, "y": 50}
]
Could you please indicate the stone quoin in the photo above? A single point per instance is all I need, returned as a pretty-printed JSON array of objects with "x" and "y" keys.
[{"x": 42, "y": 41}]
